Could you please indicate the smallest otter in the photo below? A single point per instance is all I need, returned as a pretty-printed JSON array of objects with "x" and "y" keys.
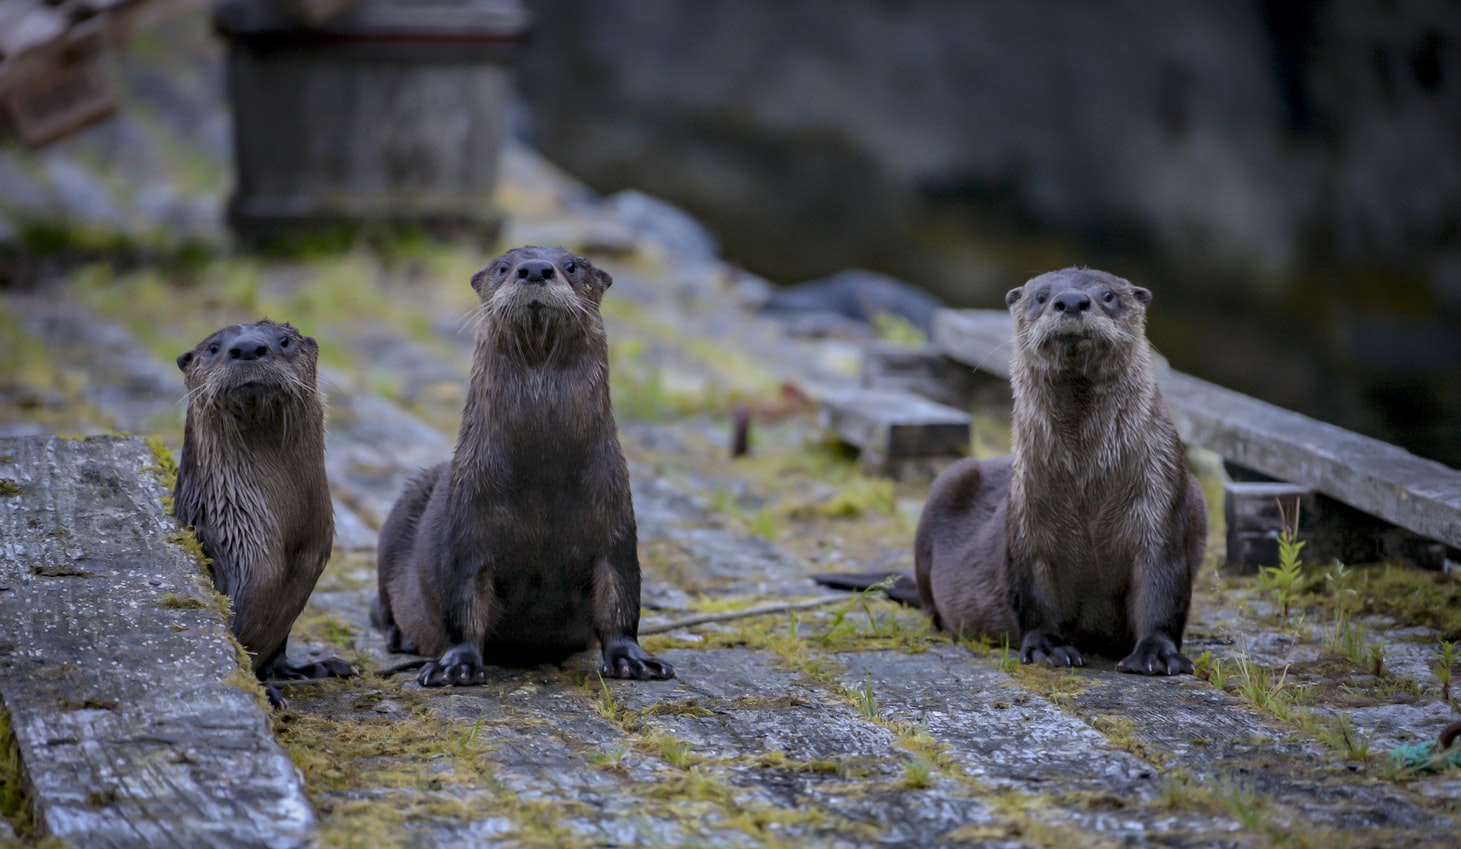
[{"x": 251, "y": 483}]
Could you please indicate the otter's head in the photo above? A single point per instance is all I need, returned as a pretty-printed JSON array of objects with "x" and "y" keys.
[
  {"x": 251, "y": 370},
  {"x": 541, "y": 295},
  {"x": 1077, "y": 319}
]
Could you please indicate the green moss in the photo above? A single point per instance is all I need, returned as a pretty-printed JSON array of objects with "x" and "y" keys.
[
  {"x": 370, "y": 751},
  {"x": 15, "y": 802},
  {"x": 852, "y": 499},
  {"x": 324, "y": 627},
  {"x": 896, "y": 328},
  {"x": 166, "y": 468},
  {"x": 10, "y": 489},
  {"x": 173, "y": 601},
  {"x": 1060, "y": 687},
  {"x": 1413, "y": 596}
]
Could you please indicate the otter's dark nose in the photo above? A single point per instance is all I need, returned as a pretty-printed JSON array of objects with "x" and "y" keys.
[
  {"x": 249, "y": 348},
  {"x": 535, "y": 271},
  {"x": 1072, "y": 302}
]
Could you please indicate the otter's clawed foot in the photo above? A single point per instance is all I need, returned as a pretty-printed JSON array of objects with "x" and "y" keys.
[
  {"x": 623, "y": 658},
  {"x": 276, "y": 698},
  {"x": 1155, "y": 654},
  {"x": 1041, "y": 646},
  {"x": 461, "y": 666}
]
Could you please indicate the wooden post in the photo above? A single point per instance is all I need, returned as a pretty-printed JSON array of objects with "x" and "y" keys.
[{"x": 389, "y": 111}]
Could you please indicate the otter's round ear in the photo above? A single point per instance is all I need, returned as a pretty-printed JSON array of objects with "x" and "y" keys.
[
  {"x": 1143, "y": 295},
  {"x": 604, "y": 277},
  {"x": 478, "y": 279},
  {"x": 1013, "y": 295},
  {"x": 184, "y": 360}
]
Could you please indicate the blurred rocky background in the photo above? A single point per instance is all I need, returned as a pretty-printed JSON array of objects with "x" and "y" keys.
[{"x": 1285, "y": 175}]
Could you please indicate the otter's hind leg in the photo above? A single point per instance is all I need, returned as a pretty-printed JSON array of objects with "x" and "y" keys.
[
  {"x": 393, "y": 553},
  {"x": 959, "y": 551}
]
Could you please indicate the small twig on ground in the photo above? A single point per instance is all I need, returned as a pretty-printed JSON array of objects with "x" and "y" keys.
[{"x": 730, "y": 615}]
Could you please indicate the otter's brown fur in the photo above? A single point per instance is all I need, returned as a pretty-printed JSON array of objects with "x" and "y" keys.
[
  {"x": 252, "y": 482},
  {"x": 1091, "y": 534},
  {"x": 523, "y": 548}
]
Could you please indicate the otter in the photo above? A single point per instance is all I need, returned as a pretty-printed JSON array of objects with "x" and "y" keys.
[
  {"x": 251, "y": 483},
  {"x": 522, "y": 548},
  {"x": 1091, "y": 534}
]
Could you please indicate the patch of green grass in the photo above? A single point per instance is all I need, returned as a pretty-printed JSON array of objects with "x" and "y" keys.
[
  {"x": 1282, "y": 582},
  {"x": 1341, "y": 735},
  {"x": 10, "y": 489},
  {"x": 854, "y": 497},
  {"x": 918, "y": 773},
  {"x": 865, "y": 698},
  {"x": 607, "y": 706},
  {"x": 1444, "y": 667},
  {"x": 15, "y": 803},
  {"x": 1241, "y": 799},
  {"x": 675, "y": 751}
]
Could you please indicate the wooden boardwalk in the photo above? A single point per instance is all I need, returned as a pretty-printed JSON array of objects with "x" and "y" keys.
[{"x": 850, "y": 725}]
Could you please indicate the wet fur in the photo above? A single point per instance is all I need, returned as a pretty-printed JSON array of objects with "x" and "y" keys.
[
  {"x": 252, "y": 484},
  {"x": 1089, "y": 536},
  {"x": 522, "y": 549}
]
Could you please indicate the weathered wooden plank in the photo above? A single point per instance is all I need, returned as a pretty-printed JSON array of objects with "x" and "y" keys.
[
  {"x": 978, "y": 338},
  {"x": 920, "y": 369},
  {"x": 891, "y": 426},
  {"x": 1385, "y": 481},
  {"x": 1254, "y": 513},
  {"x": 1414, "y": 493},
  {"x": 117, "y": 668}
]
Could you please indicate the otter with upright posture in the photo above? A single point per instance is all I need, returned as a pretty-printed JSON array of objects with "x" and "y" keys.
[
  {"x": 523, "y": 548},
  {"x": 1090, "y": 535},
  {"x": 252, "y": 483}
]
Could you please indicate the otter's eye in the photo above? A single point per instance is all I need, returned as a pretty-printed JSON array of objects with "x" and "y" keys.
[
  {"x": 570, "y": 268},
  {"x": 502, "y": 269},
  {"x": 284, "y": 342},
  {"x": 213, "y": 349},
  {"x": 1040, "y": 298},
  {"x": 1109, "y": 296}
]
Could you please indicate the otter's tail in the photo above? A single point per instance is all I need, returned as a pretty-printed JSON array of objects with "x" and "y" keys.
[{"x": 899, "y": 586}]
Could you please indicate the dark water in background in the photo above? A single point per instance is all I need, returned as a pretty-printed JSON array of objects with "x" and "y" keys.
[{"x": 1285, "y": 176}]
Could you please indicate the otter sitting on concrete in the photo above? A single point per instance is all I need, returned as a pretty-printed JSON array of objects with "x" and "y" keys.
[
  {"x": 252, "y": 484},
  {"x": 523, "y": 548},
  {"x": 1091, "y": 534}
]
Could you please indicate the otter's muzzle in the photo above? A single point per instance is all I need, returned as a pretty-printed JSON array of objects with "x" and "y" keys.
[
  {"x": 1072, "y": 303},
  {"x": 249, "y": 346},
  {"x": 536, "y": 271}
]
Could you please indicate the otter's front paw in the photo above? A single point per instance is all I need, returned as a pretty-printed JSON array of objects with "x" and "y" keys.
[
  {"x": 1155, "y": 654},
  {"x": 623, "y": 658},
  {"x": 461, "y": 666},
  {"x": 1042, "y": 646}
]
